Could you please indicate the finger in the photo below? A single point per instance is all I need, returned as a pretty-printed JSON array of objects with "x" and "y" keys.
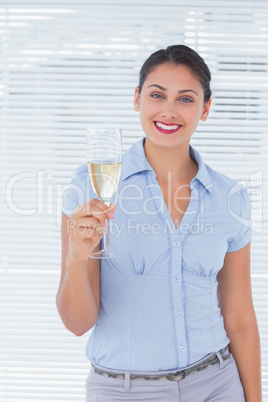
[
  {"x": 92, "y": 208},
  {"x": 99, "y": 208},
  {"x": 78, "y": 225},
  {"x": 88, "y": 222},
  {"x": 85, "y": 232},
  {"x": 110, "y": 213},
  {"x": 97, "y": 218},
  {"x": 96, "y": 236}
]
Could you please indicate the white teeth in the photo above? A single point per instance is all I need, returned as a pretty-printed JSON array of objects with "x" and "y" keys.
[{"x": 160, "y": 125}]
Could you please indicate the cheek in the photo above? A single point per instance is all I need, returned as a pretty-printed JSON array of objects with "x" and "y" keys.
[
  {"x": 189, "y": 114},
  {"x": 146, "y": 112},
  {"x": 194, "y": 114},
  {"x": 144, "y": 120}
]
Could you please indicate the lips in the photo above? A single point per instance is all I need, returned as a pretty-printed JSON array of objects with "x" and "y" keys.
[{"x": 166, "y": 128}]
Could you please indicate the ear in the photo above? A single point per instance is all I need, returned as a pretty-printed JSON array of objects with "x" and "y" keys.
[
  {"x": 206, "y": 109},
  {"x": 137, "y": 100}
]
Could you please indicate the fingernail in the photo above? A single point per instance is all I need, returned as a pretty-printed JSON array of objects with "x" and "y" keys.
[
  {"x": 105, "y": 223},
  {"x": 110, "y": 214}
]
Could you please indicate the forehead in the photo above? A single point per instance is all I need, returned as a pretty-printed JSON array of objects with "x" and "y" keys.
[{"x": 171, "y": 74}]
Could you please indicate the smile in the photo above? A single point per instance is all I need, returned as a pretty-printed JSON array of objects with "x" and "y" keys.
[{"x": 167, "y": 128}]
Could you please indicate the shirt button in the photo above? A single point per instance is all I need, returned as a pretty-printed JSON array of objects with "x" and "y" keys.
[
  {"x": 178, "y": 313},
  {"x": 176, "y": 278},
  {"x": 182, "y": 348},
  {"x": 176, "y": 243}
]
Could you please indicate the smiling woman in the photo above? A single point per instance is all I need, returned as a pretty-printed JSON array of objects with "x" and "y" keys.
[
  {"x": 62, "y": 72},
  {"x": 175, "y": 303}
]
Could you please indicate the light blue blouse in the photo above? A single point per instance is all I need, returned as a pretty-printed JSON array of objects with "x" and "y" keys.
[{"x": 159, "y": 307}]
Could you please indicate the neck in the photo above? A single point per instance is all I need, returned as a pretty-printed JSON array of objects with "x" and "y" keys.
[{"x": 171, "y": 161}]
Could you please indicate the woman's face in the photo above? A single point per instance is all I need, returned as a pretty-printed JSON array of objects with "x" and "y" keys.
[{"x": 171, "y": 103}]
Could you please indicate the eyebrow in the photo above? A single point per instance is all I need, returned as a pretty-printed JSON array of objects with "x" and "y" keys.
[{"x": 164, "y": 89}]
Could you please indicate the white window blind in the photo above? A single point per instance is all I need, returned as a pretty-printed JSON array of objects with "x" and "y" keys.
[{"x": 67, "y": 65}]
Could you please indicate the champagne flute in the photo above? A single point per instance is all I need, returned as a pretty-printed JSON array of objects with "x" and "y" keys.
[{"x": 104, "y": 158}]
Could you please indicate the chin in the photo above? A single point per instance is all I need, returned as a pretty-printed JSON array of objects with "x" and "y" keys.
[{"x": 168, "y": 141}]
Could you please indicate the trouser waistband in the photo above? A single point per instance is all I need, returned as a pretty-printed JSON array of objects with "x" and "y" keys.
[{"x": 213, "y": 359}]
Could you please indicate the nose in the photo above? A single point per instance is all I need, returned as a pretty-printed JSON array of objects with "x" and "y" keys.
[{"x": 169, "y": 111}]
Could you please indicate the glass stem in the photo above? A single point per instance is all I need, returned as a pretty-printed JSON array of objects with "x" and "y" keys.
[{"x": 106, "y": 236}]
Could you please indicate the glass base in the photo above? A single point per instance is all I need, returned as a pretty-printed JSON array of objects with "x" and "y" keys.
[{"x": 104, "y": 254}]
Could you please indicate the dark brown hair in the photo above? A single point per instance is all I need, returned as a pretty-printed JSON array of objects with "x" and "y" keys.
[{"x": 179, "y": 54}]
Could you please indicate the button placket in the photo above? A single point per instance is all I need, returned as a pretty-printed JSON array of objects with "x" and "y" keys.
[{"x": 177, "y": 293}]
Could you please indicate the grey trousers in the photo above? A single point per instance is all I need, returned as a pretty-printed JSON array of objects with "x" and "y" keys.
[{"x": 218, "y": 383}]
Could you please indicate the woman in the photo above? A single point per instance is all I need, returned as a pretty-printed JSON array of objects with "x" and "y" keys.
[{"x": 173, "y": 316}]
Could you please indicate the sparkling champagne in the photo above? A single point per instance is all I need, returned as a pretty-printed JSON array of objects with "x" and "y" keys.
[{"x": 104, "y": 178}]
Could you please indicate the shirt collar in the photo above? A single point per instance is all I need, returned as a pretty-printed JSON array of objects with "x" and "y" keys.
[
  {"x": 202, "y": 174},
  {"x": 135, "y": 161}
]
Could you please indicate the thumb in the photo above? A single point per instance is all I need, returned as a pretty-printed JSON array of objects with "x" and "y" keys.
[{"x": 111, "y": 210}]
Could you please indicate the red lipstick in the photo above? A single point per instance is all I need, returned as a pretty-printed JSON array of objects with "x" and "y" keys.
[{"x": 162, "y": 127}]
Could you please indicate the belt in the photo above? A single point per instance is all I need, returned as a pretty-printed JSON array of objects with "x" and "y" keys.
[{"x": 176, "y": 376}]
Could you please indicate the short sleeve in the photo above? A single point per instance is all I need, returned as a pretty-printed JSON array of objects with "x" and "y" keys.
[
  {"x": 244, "y": 234},
  {"x": 77, "y": 192}
]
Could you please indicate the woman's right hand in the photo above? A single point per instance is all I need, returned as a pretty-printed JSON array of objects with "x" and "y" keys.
[{"x": 86, "y": 227}]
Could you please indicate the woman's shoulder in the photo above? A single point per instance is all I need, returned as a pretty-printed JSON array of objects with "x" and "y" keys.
[
  {"x": 77, "y": 191},
  {"x": 79, "y": 176},
  {"x": 217, "y": 181},
  {"x": 80, "y": 171},
  {"x": 222, "y": 181}
]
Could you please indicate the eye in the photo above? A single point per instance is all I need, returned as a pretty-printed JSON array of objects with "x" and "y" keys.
[
  {"x": 156, "y": 96},
  {"x": 186, "y": 100}
]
